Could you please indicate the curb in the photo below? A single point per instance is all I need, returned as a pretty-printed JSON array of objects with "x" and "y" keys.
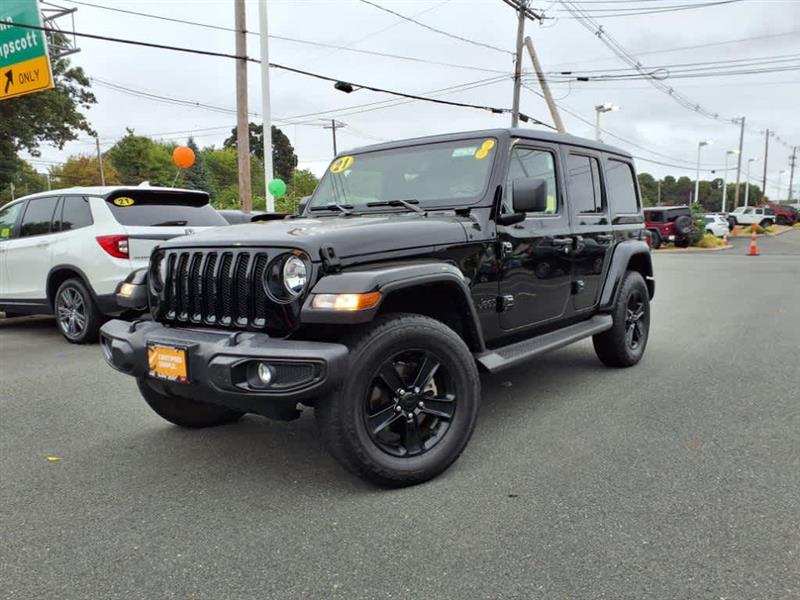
[{"x": 691, "y": 250}]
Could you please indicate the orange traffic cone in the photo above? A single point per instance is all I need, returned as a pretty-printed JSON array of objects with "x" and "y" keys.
[
  {"x": 725, "y": 243},
  {"x": 753, "y": 246}
]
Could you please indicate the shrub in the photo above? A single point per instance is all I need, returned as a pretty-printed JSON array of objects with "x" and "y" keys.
[{"x": 709, "y": 241}]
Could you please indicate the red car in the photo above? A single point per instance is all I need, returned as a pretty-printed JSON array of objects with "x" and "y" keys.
[
  {"x": 784, "y": 215},
  {"x": 669, "y": 224}
]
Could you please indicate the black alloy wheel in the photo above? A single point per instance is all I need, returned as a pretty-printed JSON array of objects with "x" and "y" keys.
[
  {"x": 634, "y": 313},
  {"x": 409, "y": 404}
]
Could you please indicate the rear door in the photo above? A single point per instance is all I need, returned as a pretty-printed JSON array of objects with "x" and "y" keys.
[
  {"x": 28, "y": 257},
  {"x": 591, "y": 225},
  {"x": 535, "y": 269}
]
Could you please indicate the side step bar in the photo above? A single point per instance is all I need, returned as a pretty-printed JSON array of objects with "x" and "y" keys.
[{"x": 513, "y": 354}]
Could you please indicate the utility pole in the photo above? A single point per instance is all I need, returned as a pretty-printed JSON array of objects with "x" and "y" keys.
[
  {"x": 548, "y": 97},
  {"x": 242, "y": 123},
  {"x": 523, "y": 5},
  {"x": 12, "y": 192},
  {"x": 333, "y": 126},
  {"x": 266, "y": 115},
  {"x": 766, "y": 162},
  {"x": 739, "y": 165},
  {"x": 792, "y": 162},
  {"x": 99, "y": 162}
]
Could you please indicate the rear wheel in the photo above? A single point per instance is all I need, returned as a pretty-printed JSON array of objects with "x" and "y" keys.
[
  {"x": 766, "y": 223},
  {"x": 184, "y": 412},
  {"x": 682, "y": 242},
  {"x": 78, "y": 317},
  {"x": 623, "y": 345},
  {"x": 655, "y": 239},
  {"x": 782, "y": 220},
  {"x": 408, "y": 405}
]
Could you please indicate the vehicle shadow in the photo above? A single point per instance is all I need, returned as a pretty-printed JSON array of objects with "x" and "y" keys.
[{"x": 291, "y": 457}]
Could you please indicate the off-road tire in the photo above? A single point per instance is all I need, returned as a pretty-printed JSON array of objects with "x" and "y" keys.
[
  {"x": 682, "y": 243},
  {"x": 340, "y": 414},
  {"x": 184, "y": 412},
  {"x": 766, "y": 223},
  {"x": 683, "y": 225},
  {"x": 655, "y": 239},
  {"x": 781, "y": 220},
  {"x": 90, "y": 331},
  {"x": 612, "y": 346}
]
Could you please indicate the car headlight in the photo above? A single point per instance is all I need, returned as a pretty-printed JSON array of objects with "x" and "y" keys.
[{"x": 295, "y": 275}]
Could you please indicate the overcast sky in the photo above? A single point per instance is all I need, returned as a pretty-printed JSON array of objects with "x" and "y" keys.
[{"x": 648, "y": 118}]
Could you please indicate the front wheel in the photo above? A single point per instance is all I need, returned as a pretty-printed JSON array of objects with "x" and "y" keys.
[
  {"x": 184, "y": 412},
  {"x": 408, "y": 405},
  {"x": 655, "y": 239},
  {"x": 623, "y": 345}
]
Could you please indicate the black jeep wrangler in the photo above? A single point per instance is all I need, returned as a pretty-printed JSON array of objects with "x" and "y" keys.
[{"x": 414, "y": 266}]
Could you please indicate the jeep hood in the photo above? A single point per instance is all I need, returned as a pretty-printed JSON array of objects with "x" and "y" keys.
[{"x": 348, "y": 235}]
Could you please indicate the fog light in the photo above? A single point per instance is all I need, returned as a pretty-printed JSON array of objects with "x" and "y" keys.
[
  {"x": 264, "y": 373},
  {"x": 127, "y": 289}
]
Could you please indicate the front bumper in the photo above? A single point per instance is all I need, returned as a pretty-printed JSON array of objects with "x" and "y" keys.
[{"x": 221, "y": 364}]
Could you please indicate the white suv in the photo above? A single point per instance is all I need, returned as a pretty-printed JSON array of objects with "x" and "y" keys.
[
  {"x": 751, "y": 215},
  {"x": 64, "y": 252}
]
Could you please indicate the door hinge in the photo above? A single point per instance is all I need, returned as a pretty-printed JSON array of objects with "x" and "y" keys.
[
  {"x": 330, "y": 261},
  {"x": 505, "y": 302},
  {"x": 506, "y": 248}
]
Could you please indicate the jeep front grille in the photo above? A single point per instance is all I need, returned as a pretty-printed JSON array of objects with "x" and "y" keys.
[{"x": 222, "y": 288}]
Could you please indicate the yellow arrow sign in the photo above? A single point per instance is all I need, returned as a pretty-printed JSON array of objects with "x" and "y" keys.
[{"x": 25, "y": 77}]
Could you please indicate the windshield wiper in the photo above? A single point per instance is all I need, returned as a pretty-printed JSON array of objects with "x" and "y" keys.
[
  {"x": 169, "y": 223},
  {"x": 409, "y": 204},
  {"x": 345, "y": 209}
]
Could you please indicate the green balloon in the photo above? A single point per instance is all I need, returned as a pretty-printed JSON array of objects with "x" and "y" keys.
[{"x": 277, "y": 187}]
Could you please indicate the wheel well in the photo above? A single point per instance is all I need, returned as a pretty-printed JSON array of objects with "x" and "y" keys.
[
  {"x": 58, "y": 277},
  {"x": 441, "y": 301},
  {"x": 640, "y": 263}
]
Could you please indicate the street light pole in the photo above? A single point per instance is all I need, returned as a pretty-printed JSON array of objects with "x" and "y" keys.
[
  {"x": 747, "y": 182},
  {"x": 602, "y": 108},
  {"x": 697, "y": 179},
  {"x": 778, "y": 191},
  {"x": 725, "y": 181},
  {"x": 266, "y": 117}
]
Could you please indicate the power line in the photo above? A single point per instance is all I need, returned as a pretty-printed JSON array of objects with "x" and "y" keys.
[
  {"x": 492, "y": 109},
  {"x": 434, "y": 29},
  {"x": 601, "y": 13}
]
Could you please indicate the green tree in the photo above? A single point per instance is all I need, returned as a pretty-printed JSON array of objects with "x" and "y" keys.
[
  {"x": 137, "y": 158},
  {"x": 83, "y": 171},
  {"x": 197, "y": 176},
  {"x": 649, "y": 188},
  {"x": 53, "y": 117},
  {"x": 223, "y": 170},
  {"x": 25, "y": 180},
  {"x": 303, "y": 183},
  {"x": 284, "y": 160}
]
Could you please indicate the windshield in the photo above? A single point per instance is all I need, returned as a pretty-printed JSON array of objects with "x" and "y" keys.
[{"x": 432, "y": 174}]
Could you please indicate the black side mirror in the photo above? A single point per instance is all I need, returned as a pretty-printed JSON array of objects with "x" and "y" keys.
[
  {"x": 529, "y": 195},
  {"x": 301, "y": 208}
]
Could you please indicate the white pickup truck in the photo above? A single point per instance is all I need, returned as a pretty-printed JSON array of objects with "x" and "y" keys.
[{"x": 750, "y": 215}]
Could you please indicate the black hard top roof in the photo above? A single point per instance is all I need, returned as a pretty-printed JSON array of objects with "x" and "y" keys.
[{"x": 508, "y": 132}]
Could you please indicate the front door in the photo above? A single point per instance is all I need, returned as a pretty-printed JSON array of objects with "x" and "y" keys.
[
  {"x": 8, "y": 231},
  {"x": 534, "y": 254},
  {"x": 28, "y": 256},
  {"x": 591, "y": 227}
]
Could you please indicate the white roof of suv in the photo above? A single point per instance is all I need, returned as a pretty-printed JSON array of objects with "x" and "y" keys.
[{"x": 99, "y": 190}]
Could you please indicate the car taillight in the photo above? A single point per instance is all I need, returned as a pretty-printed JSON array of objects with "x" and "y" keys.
[{"x": 115, "y": 245}]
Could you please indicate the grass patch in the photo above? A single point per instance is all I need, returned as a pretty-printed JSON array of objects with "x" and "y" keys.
[{"x": 709, "y": 241}]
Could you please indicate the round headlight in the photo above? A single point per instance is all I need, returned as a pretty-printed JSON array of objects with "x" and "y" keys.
[{"x": 295, "y": 275}]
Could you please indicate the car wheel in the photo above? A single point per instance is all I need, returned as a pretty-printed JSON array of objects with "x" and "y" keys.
[
  {"x": 782, "y": 220},
  {"x": 184, "y": 412},
  {"x": 408, "y": 405},
  {"x": 78, "y": 317},
  {"x": 655, "y": 239},
  {"x": 623, "y": 345},
  {"x": 683, "y": 225},
  {"x": 682, "y": 242},
  {"x": 766, "y": 223}
]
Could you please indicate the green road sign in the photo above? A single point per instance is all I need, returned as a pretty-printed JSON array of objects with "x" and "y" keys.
[{"x": 24, "y": 62}]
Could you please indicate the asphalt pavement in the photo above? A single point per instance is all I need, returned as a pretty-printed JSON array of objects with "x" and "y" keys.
[{"x": 678, "y": 478}]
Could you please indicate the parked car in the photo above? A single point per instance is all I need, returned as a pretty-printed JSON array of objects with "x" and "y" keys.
[
  {"x": 236, "y": 217},
  {"x": 716, "y": 225},
  {"x": 64, "y": 252},
  {"x": 414, "y": 265},
  {"x": 784, "y": 214},
  {"x": 669, "y": 224},
  {"x": 751, "y": 215}
]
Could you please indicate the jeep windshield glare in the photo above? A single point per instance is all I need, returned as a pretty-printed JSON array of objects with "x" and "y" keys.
[{"x": 438, "y": 174}]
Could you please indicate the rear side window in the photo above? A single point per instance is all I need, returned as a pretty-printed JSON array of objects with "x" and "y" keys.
[
  {"x": 621, "y": 187},
  {"x": 585, "y": 193},
  {"x": 163, "y": 209},
  {"x": 75, "y": 213},
  {"x": 38, "y": 216},
  {"x": 8, "y": 220}
]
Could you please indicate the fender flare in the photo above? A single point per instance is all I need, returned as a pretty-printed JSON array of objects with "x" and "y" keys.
[
  {"x": 387, "y": 279},
  {"x": 634, "y": 251}
]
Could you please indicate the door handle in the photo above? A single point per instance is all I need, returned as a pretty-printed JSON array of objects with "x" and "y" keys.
[
  {"x": 605, "y": 237},
  {"x": 562, "y": 241}
]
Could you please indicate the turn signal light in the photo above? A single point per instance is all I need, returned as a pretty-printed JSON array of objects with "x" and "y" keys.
[
  {"x": 346, "y": 302},
  {"x": 115, "y": 245}
]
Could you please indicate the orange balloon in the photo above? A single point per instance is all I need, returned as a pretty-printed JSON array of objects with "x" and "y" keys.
[{"x": 183, "y": 157}]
